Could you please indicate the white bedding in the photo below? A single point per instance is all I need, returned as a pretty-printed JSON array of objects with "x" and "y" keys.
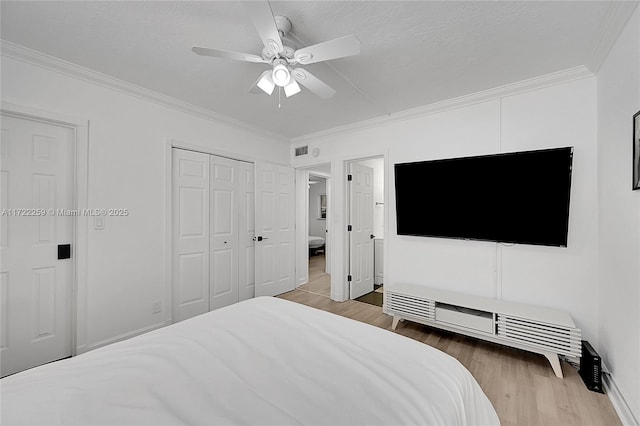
[
  {"x": 264, "y": 361},
  {"x": 315, "y": 242}
]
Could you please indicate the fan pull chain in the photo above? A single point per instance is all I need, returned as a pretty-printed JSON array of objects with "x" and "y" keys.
[{"x": 279, "y": 96}]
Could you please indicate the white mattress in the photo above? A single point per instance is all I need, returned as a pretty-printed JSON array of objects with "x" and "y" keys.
[
  {"x": 264, "y": 361},
  {"x": 315, "y": 242}
]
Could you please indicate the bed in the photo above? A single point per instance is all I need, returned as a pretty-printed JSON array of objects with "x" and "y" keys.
[
  {"x": 263, "y": 361},
  {"x": 316, "y": 244}
]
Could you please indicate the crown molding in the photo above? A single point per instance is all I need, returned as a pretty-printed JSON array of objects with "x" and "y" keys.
[
  {"x": 531, "y": 84},
  {"x": 51, "y": 63},
  {"x": 616, "y": 18}
]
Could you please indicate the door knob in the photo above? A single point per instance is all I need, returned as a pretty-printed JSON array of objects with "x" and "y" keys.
[{"x": 372, "y": 236}]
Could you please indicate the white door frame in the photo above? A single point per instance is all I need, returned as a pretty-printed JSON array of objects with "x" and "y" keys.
[
  {"x": 327, "y": 237},
  {"x": 336, "y": 221},
  {"x": 302, "y": 221},
  {"x": 327, "y": 240},
  {"x": 80, "y": 128},
  {"x": 302, "y": 225}
]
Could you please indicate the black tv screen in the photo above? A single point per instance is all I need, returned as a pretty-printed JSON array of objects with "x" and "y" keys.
[{"x": 520, "y": 197}]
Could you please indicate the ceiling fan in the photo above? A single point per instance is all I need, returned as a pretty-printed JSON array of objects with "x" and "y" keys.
[{"x": 284, "y": 59}]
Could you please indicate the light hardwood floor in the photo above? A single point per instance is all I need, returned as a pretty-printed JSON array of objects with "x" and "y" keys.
[
  {"x": 520, "y": 385},
  {"x": 319, "y": 280}
]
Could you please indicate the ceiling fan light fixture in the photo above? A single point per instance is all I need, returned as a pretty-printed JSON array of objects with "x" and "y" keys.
[
  {"x": 266, "y": 83},
  {"x": 272, "y": 31},
  {"x": 292, "y": 88},
  {"x": 281, "y": 76}
]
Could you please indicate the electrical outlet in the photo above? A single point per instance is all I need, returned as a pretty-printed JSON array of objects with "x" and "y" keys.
[
  {"x": 156, "y": 307},
  {"x": 98, "y": 222}
]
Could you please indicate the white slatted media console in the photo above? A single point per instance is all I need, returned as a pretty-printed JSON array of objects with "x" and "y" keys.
[{"x": 549, "y": 332}]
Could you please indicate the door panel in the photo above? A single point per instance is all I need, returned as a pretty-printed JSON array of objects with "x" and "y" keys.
[
  {"x": 224, "y": 231},
  {"x": 361, "y": 205},
  {"x": 190, "y": 233},
  {"x": 274, "y": 229},
  {"x": 37, "y": 175},
  {"x": 222, "y": 262},
  {"x": 193, "y": 271}
]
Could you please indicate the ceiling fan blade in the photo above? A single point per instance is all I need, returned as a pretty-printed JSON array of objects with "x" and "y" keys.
[
  {"x": 265, "y": 24},
  {"x": 313, "y": 83},
  {"x": 264, "y": 84},
  {"x": 217, "y": 53},
  {"x": 332, "y": 49}
]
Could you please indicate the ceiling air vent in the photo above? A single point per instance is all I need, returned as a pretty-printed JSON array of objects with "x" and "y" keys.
[{"x": 302, "y": 150}]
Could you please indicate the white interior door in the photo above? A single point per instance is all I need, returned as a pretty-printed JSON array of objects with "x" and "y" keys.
[
  {"x": 224, "y": 231},
  {"x": 275, "y": 233},
  {"x": 36, "y": 183},
  {"x": 190, "y": 233},
  {"x": 246, "y": 231},
  {"x": 361, "y": 207}
]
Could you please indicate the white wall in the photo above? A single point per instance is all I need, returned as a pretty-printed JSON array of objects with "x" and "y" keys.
[
  {"x": 317, "y": 226},
  {"x": 127, "y": 169},
  {"x": 560, "y": 115},
  {"x": 619, "y": 211}
]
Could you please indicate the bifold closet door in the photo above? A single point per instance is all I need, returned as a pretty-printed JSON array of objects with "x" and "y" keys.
[
  {"x": 190, "y": 228},
  {"x": 224, "y": 244},
  {"x": 213, "y": 231}
]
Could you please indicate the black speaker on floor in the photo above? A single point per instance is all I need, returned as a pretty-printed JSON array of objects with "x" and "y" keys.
[{"x": 591, "y": 368}]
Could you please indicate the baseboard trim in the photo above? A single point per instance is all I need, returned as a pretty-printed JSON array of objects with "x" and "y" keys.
[{"x": 617, "y": 400}]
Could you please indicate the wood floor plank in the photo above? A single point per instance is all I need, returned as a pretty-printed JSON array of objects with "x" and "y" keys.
[{"x": 521, "y": 385}]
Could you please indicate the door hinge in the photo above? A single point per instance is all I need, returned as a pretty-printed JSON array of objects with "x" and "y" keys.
[
  {"x": 349, "y": 178},
  {"x": 349, "y": 278},
  {"x": 349, "y": 228}
]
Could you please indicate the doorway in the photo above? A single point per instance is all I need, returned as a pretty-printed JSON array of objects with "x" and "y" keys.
[
  {"x": 314, "y": 186},
  {"x": 365, "y": 203}
]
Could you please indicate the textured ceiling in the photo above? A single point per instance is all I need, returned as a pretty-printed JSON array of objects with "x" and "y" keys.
[{"x": 413, "y": 53}]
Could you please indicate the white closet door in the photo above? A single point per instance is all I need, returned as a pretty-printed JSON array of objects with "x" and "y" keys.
[
  {"x": 246, "y": 231},
  {"x": 224, "y": 231},
  {"x": 275, "y": 233},
  {"x": 35, "y": 285},
  {"x": 190, "y": 234},
  {"x": 361, "y": 207}
]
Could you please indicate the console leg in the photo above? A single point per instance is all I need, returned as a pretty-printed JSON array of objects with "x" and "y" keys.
[
  {"x": 394, "y": 324},
  {"x": 555, "y": 363}
]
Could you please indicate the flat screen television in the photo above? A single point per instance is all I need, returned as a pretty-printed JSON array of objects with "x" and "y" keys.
[{"x": 519, "y": 197}]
